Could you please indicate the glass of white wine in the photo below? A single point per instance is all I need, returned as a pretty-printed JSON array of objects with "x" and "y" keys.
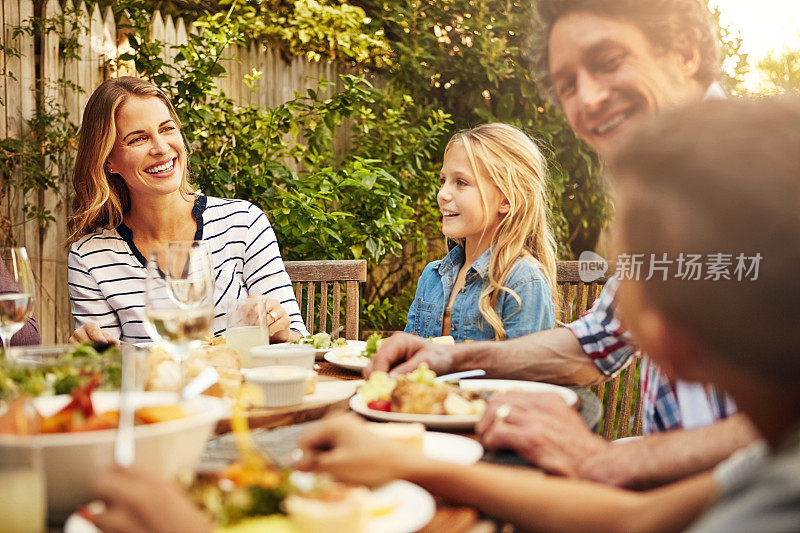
[
  {"x": 17, "y": 292},
  {"x": 179, "y": 306}
]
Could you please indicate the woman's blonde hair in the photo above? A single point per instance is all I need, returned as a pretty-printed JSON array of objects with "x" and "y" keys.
[
  {"x": 505, "y": 156},
  {"x": 102, "y": 198}
]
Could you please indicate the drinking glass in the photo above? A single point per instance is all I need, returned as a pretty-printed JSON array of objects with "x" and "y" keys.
[
  {"x": 248, "y": 326},
  {"x": 23, "y": 504},
  {"x": 17, "y": 295},
  {"x": 179, "y": 303}
]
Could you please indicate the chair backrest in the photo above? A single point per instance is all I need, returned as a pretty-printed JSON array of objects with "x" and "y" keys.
[
  {"x": 332, "y": 277},
  {"x": 622, "y": 408}
]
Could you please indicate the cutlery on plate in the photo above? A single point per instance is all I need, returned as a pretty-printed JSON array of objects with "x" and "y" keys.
[{"x": 460, "y": 375}]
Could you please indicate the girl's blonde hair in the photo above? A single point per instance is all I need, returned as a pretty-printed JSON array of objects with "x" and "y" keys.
[
  {"x": 505, "y": 156},
  {"x": 102, "y": 198}
]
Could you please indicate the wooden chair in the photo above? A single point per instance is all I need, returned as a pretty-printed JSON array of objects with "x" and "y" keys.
[
  {"x": 332, "y": 277},
  {"x": 577, "y": 298}
]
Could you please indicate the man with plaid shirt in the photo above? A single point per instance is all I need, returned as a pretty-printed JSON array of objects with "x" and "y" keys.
[
  {"x": 609, "y": 65},
  {"x": 610, "y": 347}
]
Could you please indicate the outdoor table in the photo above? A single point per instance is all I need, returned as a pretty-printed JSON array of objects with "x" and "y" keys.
[{"x": 280, "y": 441}]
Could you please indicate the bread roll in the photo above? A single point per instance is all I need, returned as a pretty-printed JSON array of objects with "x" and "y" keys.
[{"x": 409, "y": 434}]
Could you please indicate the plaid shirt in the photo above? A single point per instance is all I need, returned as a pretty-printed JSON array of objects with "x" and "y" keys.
[{"x": 611, "y": 348}]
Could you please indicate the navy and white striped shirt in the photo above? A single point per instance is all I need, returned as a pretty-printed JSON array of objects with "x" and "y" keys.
[{"x": 107, "y": 272}]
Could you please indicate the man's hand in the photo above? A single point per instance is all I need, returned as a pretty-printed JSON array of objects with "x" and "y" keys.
[
  {"x": 137, "y": 502},
  {"x": 542, "y": 428},
  {"x": 403, "y": 353},
  {"x": 91, "y": 332},
  {"x": 343, "y": 447}
]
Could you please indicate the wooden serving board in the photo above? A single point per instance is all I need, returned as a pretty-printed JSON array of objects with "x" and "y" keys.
[{"x": 330, "y": 394}]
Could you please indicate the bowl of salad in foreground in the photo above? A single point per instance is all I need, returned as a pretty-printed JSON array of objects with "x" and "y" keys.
[{"x": 76, "y": 433}]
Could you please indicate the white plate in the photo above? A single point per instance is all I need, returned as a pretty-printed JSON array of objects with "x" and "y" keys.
[
  {"x": 319, "y": 353},
  {"x": 413, "y": 509},
  {"x": 348, "y": 357},
  {"x": 462, "y": 421},
  {"x": 506, "y": 385},
  {"x": 431, "y": 421},
  {"x": 451, "y": 448}
]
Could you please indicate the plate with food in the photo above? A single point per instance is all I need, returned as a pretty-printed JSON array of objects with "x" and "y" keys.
[
  {"x": 254, "y": 494},
  {"x": 416, "y": 397},
  {"x": 397, "y": 507},
  {"x": 323, "y": 343},
  {"x": 356, "y": 355}
]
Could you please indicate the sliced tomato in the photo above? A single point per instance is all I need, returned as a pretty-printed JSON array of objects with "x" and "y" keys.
[
  {"x": 82, "y": 398},
  {"x": 380, "y": 405}
]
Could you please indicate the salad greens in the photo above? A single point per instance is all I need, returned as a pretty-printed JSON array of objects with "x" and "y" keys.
[
  {"x": 60, "y": 374},
  {"x": 321, "y": 341},
  {"x": 373, "y": 343}
]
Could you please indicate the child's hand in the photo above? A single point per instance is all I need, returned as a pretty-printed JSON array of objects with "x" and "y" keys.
[
  {"x": 137, "y": 502},
  {"x": 343, "y": 447}
]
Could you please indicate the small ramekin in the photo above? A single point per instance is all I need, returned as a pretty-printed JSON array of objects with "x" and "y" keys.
[{"x": 282, "y": 385}]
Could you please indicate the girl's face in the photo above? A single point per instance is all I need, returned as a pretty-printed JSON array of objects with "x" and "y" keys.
[
  {"x": 148, "y": 152},
  {"x": 463, "y": 213}
]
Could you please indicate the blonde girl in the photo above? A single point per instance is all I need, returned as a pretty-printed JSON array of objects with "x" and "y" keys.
[{"x": 497, "y": 282}]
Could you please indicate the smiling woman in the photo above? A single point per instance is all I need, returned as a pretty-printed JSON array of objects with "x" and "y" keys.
[{"x": 132, "y": 197}]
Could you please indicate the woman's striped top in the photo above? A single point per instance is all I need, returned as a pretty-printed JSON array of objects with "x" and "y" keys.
[{"x": 107, "y": 272}]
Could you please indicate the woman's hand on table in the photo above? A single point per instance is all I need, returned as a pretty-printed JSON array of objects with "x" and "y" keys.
[
  {"x": 543, "y": 428},
  {"x": 91, "y": 332},
  {"x": 343, "y": 447},
  {"x": 277, "y": 318},
  {"x": 138, "y": 502}
]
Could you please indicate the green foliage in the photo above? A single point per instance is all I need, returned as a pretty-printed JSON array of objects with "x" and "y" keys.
[
  {"x": 364, "y": 203},
  {"x": 443, "y": 66},
  {"x": 735, "y": 66},
  {"x": 782, "y": 70},
  {"x": 471, "y": 59},
  {"x": 315, "y": 30},
  {"x": 30, "y": 164},
  {"x": 41, "y": 159}
]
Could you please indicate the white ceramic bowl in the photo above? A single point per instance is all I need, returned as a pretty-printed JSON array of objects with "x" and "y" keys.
[
  {"x": 71, "y": 460},
  {"x": 284, "y": 354},
  {"x": 282, "y": 385}
]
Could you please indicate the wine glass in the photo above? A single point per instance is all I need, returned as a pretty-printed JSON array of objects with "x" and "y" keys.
[
  {"x": 179, "y": 305},
  {"x": 17, "y": 292}
]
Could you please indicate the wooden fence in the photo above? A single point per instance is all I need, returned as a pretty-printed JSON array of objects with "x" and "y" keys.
[{"x": 100, "y": 39}]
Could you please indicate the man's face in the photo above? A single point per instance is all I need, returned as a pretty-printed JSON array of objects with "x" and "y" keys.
[{"x": 609, "y": 78}]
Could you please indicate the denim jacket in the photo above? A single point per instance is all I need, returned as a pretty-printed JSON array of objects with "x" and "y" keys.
[{"x": 466, "y": 322}]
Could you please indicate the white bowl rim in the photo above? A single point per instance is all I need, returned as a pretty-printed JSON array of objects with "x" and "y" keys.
[
  {"x": 208, "y": 409},
  {"x": 251, "y": 374},
  {"x": 286, "y": 349}
]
